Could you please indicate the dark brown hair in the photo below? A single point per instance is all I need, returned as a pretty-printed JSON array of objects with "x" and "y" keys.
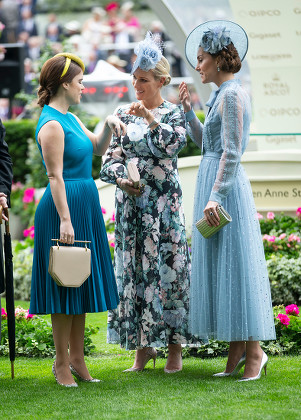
[
  {"x": 50, "y": 78},
  {"x": 228, "y": 59}
]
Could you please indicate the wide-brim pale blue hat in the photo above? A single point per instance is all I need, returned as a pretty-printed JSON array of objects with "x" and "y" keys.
[{"x": 224, "y": 32}]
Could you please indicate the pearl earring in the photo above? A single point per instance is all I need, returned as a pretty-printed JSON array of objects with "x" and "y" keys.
[{"x": 218, "y": 69}]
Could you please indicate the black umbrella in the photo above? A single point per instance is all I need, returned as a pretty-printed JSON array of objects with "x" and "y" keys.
[{"x": 10, "y": 302}]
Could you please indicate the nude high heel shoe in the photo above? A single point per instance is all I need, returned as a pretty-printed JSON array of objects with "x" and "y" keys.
[
  {"x": 263, "y": 365},
  {"x": 150, "y": 354},
  {"x": 235, "y": 371}
]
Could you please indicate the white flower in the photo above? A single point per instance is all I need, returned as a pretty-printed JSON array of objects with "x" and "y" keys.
[{"x": 136, "y": 131}]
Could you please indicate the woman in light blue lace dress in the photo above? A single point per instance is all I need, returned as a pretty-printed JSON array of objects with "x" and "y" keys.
[{"x": 230, "y": 291}]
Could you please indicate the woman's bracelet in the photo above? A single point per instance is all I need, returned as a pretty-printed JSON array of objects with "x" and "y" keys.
[{"x": 153, "y": 123}]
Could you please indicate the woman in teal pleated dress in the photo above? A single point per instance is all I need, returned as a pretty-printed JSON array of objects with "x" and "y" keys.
[
  {"x": 68, "y": 210},
  {"x": 230, "y": 290}
]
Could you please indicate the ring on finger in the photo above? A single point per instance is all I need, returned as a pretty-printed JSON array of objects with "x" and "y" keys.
[{"x": 211, "y": 214}]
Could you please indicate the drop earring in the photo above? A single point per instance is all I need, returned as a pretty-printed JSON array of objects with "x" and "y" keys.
[{"x": 218, "y": 69}]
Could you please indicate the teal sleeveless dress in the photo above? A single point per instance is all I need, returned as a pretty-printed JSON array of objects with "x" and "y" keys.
[{"x": 99, "y": 292}]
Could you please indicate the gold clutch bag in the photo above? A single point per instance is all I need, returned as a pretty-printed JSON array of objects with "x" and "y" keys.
[
  {"x": 133, "y": 174},
  {"x": 69, "y": 266},
  {"x": 208, "y": 231}
]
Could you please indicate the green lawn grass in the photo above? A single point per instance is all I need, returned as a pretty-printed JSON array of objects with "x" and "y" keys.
[{"x": 152, "y": 394}]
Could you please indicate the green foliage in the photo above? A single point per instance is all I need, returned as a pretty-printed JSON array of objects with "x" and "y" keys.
[
  {"x": 34, "y": 337},
  {"x": 17, "y": 134},
  {"x": 280, "y": 223},
  {"x": 191, "y": 149},
  {"x": 23, "y": 254},
  {"x": 110, "y": 228},
  {"x": 287, "y": 246},
  {"x": 285, "y": 279},
  {"x": 37, "y": 177}
]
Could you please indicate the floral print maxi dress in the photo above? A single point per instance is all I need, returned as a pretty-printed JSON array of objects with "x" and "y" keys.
[{"x": 152, "y": 262}]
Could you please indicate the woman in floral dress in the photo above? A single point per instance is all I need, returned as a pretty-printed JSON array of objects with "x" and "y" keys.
[{"x": 151, "y": 254}]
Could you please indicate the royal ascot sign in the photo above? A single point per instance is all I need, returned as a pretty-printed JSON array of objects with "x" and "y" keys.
[{"x": 274, "y": 59}]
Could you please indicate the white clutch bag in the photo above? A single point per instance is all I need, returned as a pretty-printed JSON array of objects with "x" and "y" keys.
[
  {"x": 69, "y": 266},
  {"x": 133, "y": 174}
]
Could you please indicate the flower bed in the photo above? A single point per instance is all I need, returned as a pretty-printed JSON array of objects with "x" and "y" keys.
[{"x": 281, "y": 234}]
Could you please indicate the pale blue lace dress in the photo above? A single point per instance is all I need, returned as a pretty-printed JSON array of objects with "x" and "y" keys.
[{"x": 230, "y": 291}]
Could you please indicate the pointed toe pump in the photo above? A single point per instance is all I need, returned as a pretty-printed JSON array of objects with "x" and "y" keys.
[
  {"x": 78, "y": 376},
  {"x": 263, "y": 365},
  {"x": 235, "y": 371},
  {"x": 150, "y": 354},
  {"x": 73, "y": 385}
]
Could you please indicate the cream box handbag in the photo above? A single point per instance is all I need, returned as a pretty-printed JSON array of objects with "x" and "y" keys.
[
  {"x": 69, "y": 266},
  {"x": 133, "y": 174},
  {"x": 208, "y": 231}
]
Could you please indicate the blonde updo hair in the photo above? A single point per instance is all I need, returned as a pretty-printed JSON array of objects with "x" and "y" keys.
[{"x": 162, "y": 70}]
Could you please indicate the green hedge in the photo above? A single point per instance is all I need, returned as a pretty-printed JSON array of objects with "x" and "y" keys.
[
  {"x": 191, "y": 149},
  {"x": 17, "y": 134},
  {"x": 285, "y": 280}
]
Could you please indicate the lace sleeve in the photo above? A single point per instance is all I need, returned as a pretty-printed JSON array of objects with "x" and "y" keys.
[
  {"x": 194, "y": 128},
  {"x": 169, "y": 137},
  {"x": 232, "y": 113}
]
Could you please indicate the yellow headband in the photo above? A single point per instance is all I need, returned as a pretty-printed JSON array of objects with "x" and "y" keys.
[
  {"x": 67, "y": 64},
  {"x": 69, "y": 57}
]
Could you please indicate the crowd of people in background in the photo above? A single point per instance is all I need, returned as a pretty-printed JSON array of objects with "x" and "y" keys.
[{"x": 109, "y": 33}]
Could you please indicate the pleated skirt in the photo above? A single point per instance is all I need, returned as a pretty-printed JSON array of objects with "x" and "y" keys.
[
  {"x": 230, "y": 296},
  {"x": 99, "y": 292}
]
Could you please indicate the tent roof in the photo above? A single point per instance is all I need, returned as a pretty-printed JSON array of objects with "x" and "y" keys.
[{"x": 105, "y": 71}]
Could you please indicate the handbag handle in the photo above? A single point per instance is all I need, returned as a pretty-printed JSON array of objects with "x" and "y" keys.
[{"x": 84, "y": 242}]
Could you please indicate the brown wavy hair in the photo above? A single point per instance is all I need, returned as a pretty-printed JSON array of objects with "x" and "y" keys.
[
  {"x": 228, "y": 59},
  {"x": 50, "y": 78}
]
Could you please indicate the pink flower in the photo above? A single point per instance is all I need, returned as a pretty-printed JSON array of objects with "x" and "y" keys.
[
  {"x": 3, "y": 313},
  {"x": 104, "y": 211},
  {"x": 272, "y": 238},
  {"x": 28, "y": 195},
  {"x": 26, "y": 233},
  {"x": 16, "y": 186},
  {"x": 270, "y": 215},
  {"x": 292, "y": 310},
  {"x": 266, "y": 237},
  {"x": 298, "y": 212},
  {"x": 282, "y": 236},
  {"x": 28, "y": 315},
  {"x": 112, "y": 244},
  {"x": 29, "y": 232},
  {"x": 284, "y": 319},
  {"x": 113, "y": 217},
  {"x": 293, "y": 237},
  {"x": 259, "y": 216}
]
